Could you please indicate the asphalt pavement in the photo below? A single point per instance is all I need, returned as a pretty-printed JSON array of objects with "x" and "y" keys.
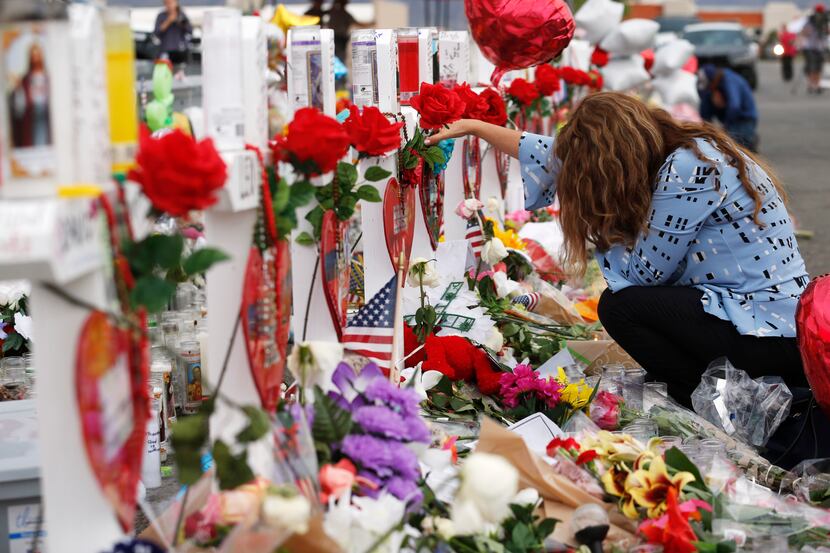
[{"x": 795, "y": 139}]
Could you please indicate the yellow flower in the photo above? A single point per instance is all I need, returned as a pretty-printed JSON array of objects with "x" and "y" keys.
[
  {"x": 613, "y": 448},
  {"x": 650, "y": 486},
  {"x": 614, "y": 481},
  {"x": 575, "y": 394},
  {"x": 509, "y": 237}
]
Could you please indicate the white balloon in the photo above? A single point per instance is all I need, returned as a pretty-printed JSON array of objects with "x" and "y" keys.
[
  {"x": 578, "y": 54},
  {"x": 677, "y": 87},
  {"x": 624, "y": 73},
  {"x": 672, "y": 56},
  {"x": 630, "y": 37},
  {"x": 597, "y": 18}
]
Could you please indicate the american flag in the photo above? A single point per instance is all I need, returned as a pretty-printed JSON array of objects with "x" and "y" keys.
[
  {"x": 530, "y": 301},
  {"x": 370, "y": 332},
  {"x": 474, "y": 236}
]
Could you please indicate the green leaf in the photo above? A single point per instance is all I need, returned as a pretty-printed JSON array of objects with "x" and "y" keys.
[
  {"x": 281, "y": 197},
  {"x": 201, "y": 260},
  {"x": 547, "y": 526},
  {"x": 231, "y": 470},
  {"x": 368, "y": 193},
  {"x": 315, "y": 217},
  {"x": 509, "y": 329},
  {"x": 258, "y": 425},
  {"x": 167, "y": 250},
  {"x": 13, "y": 342},
  {"x": 305, "y": 239},
  {"x": 376, "y": 173},
  {"x": 152, "y": 292},
  {"x": 346, "y": 174},
  {"x": 678, "y": 461},
  {"x": 434, "y": 154},
  {"x": 301, "y": 193},
  {"x": 188, "y": 466},
  {"x": 521, "y": 536},
  {"x": 331, "y": 422}
]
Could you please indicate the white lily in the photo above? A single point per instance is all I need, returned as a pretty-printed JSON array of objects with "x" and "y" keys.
[
  {"x": 313, "y": 363},
  {"x": 420, "y": 381}
]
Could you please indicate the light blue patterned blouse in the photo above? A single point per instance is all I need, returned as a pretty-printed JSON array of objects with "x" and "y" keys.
[{"x": 701, "y": 233}]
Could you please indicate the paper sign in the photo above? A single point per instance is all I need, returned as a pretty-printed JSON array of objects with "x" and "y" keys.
[
  {"x": 398, "y": 221},
  {"x": 537, "y": 431},
  {"x": 551, "y": 366},
  {"x": 335, "y": 258},
  {"x": 113, "y": 410},
  {"x": 23, "y": 523}
]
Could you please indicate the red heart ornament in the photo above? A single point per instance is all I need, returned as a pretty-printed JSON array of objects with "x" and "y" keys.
[
  {"x": 111, "y": 391},
  {"x": 516, "y": 34},
  {"x": 259, "y": 324},
  {"x": 398, "y": 221},
  {"x": 471, "y": 154},
  {"x": 813, "y": 322},
  {"x": 432, "y": 204},
  {"x": 335, "y": 257}
]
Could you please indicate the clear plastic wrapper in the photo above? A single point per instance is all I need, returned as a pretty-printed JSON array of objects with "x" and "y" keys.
[
  {"x": 812, "y": 481},
  {"x": 748, "y": 409}
]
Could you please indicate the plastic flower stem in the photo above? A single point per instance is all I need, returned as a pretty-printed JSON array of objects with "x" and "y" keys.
[
  {"x": 180, "y": 518},
  {"x": 310, "y": 292},
  {"x": 228, "y": 353}
]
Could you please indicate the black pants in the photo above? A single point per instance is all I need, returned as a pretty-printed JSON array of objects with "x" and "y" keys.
[
  {"x": 787, "y": 68},
  {"x": 667, "y": 332}
]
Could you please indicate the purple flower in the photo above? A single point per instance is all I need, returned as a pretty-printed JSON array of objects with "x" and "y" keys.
[
  {"x": 385, "y": 458},
  {"x": 383, "y": 391},
  {"x": 379, "y": 420},
  {"x": 417, "y": 430},
  {"x": 405, "y": 490}
]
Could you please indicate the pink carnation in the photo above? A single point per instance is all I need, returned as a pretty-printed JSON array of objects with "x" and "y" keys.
[{"x": 523, "y": 380}]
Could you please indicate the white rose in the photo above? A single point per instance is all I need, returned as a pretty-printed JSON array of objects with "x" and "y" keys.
[
  {"x": 493, "y": 251},
  {"x": 430, "y": 277},
  {"x": 23, "y": 325},
  {"x": 287, "y": 513},
  {"x": 494, "y": 340},
  {"x": 493, "y": 207},
  {"x": 313, "y": 363},
  {"x": 11, "y": 292},
  {"x": 527, "y": 496},
  {"x": 467, "y": 518},
  {"x": 488, "y": 485},
  {"x": 442, "y": 527},
  {"x": 504, "y": 286}
]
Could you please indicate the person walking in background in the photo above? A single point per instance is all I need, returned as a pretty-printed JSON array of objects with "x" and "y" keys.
[
  {"x": 316, "y": 10},
  {"x": 173, "y": 30},
  {"x": 727, "y": 97},
  {"x": 813, "y": 44},
  {"x": 788, "y": 53},
  {"x": 341, "y": 22}
]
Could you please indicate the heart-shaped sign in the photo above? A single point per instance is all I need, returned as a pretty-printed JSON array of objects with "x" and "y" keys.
[
  {"x": 259, "y": 324},
  {"x": 398, "y": 221},
  {"x": 471, "y": 154},
  {"x": 284, "y": 299},
  {"x": 113, "y": 407},
  {"x": 335, "y": 256},
  {"x": 432, "y": 204}
]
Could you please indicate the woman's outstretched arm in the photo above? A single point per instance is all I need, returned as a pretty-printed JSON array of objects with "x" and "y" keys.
[{"x": 506, "y": 140}]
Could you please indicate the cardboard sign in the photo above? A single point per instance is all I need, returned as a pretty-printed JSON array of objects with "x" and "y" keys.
[
  {"x": 259, "y": 324},
  {"x": 335, "y": 256},
  {"x": 113, "y": 409},
  {"x": 432, "y": 204},
  {"x": 398, "y": 221},
  {"x": 471, "y": 153}
]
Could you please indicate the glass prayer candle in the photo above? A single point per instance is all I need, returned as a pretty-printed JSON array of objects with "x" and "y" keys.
[
  {"x": 633, "y": 381},
  {"x": 408, "y": 64},
  {"x": 120, "y": 49}
]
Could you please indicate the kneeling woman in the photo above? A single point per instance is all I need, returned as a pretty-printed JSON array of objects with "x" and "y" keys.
[{"x": 691, "y": 230}]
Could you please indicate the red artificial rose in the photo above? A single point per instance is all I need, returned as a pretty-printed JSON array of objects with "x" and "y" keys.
[
  {"x": 315, "y": 142},
  {"x": 437, "y": 105},
  {"x": 596, "y": 79},
  {"x": 177, "y": 173},
  {"x": 586, "y": 457},
  {"x": 474, "y": 105},
  {"x": 496, "y": 113},
  {"x": 413, "y": 177},
  {"x": 547, "y": 79},
  {"x": 524, "y": 92},
  {"x": 371, "y": 133},
  {"x": 574, "y": 76},
  {"x": 599, "y": 57}
]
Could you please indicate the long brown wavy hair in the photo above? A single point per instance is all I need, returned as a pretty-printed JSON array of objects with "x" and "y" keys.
[{"x": 611, "y": 150}]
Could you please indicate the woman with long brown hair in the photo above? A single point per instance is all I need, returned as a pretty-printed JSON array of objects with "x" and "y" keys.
[{"x": 691, "y": 232}]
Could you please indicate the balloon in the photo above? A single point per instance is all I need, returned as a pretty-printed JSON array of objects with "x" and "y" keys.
[
  {"x": 577, "y": 55},
  {"x": 517, "y": 34},
  {"x": 677, "y": 87},
  {"x": 624, "y": 73},
  {"x": 285, "y": 19},
  {"x": 672, "y": 56},
  {"x": 630, "y": 37},
  {"x": 813, "y": 321},
  {"x": 597, "y": 18}
]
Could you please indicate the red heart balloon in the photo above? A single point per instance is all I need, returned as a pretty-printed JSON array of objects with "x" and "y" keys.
[
  {"x": 813, "y": 322},
  {"x": 516, "y": 34}
]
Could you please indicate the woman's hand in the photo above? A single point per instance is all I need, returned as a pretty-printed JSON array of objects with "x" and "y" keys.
[{"x": 458, "y": 129}]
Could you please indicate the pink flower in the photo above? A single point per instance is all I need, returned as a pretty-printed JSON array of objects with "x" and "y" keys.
[
  {"x": 336, "y": 479},
  {"x": 523, "y": 380},
  {"x": 481, "y": 274},
  {"x": 520, "y": 216},
  {"x": 467, "y": 208},
  {"x": 605, "y": 410}
]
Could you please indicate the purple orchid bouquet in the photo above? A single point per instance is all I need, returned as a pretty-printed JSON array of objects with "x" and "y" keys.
[{"x": 384, "y": 431}]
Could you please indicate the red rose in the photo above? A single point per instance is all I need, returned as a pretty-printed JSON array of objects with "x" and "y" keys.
[
  {"x": 599, "y": 57},
  {"x": 413, "y": 177},
  {"x": 177, "y": 173},
  {"x": 315, "y": 142},
  {"x": 496, "y": 113},
  {"x": 371, "y": 133},
  {"x": 596, "y": 79},
  {"x": 474, "y": 105},
  {"x": 437, "y": 105},
  {"x": 574, "y": 76},
  {"x": 524, "y": 92},
  {"x": 547, "y": 79}
]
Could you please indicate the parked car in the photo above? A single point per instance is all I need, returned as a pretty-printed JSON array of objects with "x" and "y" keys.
[
  {"x": 725, "y": 45},
  {"x": 671, "y": 27}
]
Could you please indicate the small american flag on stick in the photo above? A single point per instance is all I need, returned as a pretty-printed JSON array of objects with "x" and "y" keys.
[
  {"x": 474, "y": 236},
  {"x": 371, "y": 331}
]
